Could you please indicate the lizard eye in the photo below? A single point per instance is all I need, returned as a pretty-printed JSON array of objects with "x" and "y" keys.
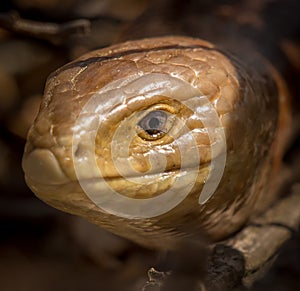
[{"x": 155, "y": 125}]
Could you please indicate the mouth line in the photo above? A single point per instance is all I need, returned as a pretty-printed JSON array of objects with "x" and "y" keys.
[
  {"x": 153, "y": 174},
  {"x": 131, "y": 178},
  {"x": 149, "y": 176}
]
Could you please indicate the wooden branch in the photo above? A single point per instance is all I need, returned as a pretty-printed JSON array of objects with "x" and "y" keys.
[
  {"x": 245, "y": 257},
  {"x": 43, "y": 30},
  {"x": 260, "y": 241}
]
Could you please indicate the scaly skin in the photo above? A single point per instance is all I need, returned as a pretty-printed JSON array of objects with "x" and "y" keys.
[{"x": 249, "y": 99}]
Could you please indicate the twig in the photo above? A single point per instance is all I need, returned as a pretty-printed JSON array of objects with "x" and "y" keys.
[
  {"x": 245, "y": 257},
  {"x": 43, "y": 30},
  {"x": 261, "y": 240}
]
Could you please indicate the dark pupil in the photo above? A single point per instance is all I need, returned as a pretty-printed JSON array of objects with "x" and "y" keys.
[{"x": 154, "y": 123}]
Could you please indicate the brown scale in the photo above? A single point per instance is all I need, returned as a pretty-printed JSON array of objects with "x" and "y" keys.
[{"x": 231, "y": 66}]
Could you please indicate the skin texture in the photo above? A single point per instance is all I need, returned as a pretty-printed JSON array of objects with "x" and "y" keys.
[{"x": 249, "y": 100}]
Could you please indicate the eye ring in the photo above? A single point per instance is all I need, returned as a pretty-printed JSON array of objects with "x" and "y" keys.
[{"x": 155, "y": 124}]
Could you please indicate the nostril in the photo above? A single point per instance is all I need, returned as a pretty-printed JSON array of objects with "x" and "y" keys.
[
  {"x": 79, "y": 151},
  {"x": 41, "y": 166}
]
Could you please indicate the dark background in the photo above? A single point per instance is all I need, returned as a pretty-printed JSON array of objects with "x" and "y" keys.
[{"x": 41, "y": 248}]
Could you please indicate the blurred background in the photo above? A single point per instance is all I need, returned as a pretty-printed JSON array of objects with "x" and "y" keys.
[{"x": 41, "y": 248}]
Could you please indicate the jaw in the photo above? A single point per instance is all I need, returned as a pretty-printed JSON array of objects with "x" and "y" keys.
[
  {"x": 86, "y": 193},
  {"x": 46, "y": 178}
]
